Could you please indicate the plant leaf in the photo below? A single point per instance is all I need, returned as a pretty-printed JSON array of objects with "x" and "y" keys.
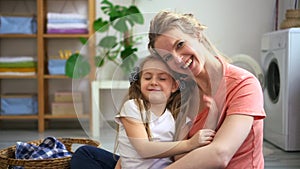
[
  {"x": 83, "y": 40},
  {"x": 120, "y": 25},
  {"x": 101, "y": 25},
  {"x": 108, "y": 42},
  {"x": 127, "y": 52},
  {"x": 106, "y": 6},
  {"x": 112, "y": 56},
  {"x": 135, "y": 15},
  {"x": 99, "y": 61},
  {"x": 129, "y": 62},
  {"x": 76, "y": 66}
]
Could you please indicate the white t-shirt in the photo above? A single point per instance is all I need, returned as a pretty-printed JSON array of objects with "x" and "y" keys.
[{"x": 162, "y": 129}]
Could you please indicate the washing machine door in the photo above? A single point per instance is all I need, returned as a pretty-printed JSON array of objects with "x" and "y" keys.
[
  {"x": 272, "y": 79},
  {"x": 275, "y": 129},
  {"x": 248, "y": 63}
]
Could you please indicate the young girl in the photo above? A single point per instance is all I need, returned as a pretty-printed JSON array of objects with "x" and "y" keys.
[{"x": 146, "y": 124}]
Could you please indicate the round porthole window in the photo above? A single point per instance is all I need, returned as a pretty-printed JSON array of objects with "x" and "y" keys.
[
  {"x": 273, "y": 81},
  {"x": 248, "y": 63}
]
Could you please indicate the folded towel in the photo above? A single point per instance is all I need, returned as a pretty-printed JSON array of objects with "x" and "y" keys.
[
  {"x": 67, "y": 31},
  {"x": 29, "y": 69},
  {"x": 18, "y": 64},
  {"x": 16, "y": 58},
  {"x": 67, "y": 21},
  {"x": 67, "y": 26},
  {"x": 17, "y": 73},
  {"x": 51, "y": 15}
]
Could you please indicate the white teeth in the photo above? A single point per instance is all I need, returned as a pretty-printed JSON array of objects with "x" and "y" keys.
[{"x": 187, "y": 64}]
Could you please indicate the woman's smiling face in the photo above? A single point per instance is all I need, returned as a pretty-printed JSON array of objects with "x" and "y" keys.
[{"x": 182, "y": 52}]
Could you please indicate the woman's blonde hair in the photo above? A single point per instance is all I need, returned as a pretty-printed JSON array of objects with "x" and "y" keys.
[
  {"x": 165, "y": 21},
  {"x": 187, "y": 23}
]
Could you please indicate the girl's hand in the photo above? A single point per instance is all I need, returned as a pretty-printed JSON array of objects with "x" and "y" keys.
[{"x": 201, "y": 138}]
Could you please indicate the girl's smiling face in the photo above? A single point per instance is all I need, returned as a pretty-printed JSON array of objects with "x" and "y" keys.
[
  {"x": 157, "y": 84},
  {"x": 182, "y": 52}
]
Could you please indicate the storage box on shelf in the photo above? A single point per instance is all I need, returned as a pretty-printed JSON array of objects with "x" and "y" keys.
[
  {"x": 67, "y": 108},
  {"x": 67, "y": 103},
  {"x": 17, "y": 24},
  {"x": 18, "y": 104},
  {"x": 65, "y": 96},
  {"x": 57, "y": 66}
]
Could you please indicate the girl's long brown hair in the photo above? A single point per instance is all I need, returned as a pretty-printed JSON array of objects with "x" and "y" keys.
[{"x": 134, "y": 93}]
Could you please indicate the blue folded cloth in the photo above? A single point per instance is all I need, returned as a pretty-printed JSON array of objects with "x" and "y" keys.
[
  {"x": 18, "y": 25},
  {"x": 49, "y": 148},
  {"x": 57, "y": 66}
]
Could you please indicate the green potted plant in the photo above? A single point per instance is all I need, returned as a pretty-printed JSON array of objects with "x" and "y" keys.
[
  {"x": 115, "y": 29},
  {"x": 116, "y": 43}
]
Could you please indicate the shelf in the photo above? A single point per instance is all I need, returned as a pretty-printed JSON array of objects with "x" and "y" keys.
[
  {"x": 43, "y": 46},
  {"x": 17, "y": 77},
  {"x": 18, "y": 35},
  {"x": 109, "y": 84},
  {"x": 56, "y": 77},
  {"x": 66, "y": 35},
  {"x": 49, "y": 116},
  {"x": 18, "y": 117}
]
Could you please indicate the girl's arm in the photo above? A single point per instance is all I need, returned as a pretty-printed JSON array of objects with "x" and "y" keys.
[
  {"x": 227, "y": 140},
  {"x": 182, "y": 136},
  {"x": 138, "y": 137}
]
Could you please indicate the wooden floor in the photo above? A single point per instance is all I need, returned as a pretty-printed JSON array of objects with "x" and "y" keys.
[{"x": 275, "y": 158}]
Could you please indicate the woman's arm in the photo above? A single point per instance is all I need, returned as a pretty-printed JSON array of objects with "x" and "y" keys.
[
  {"x": 227, "y": 141},
  {"x": 138, "y": 137}
]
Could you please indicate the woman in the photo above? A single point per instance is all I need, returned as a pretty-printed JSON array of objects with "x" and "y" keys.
[{"x": 234, "y": 94}]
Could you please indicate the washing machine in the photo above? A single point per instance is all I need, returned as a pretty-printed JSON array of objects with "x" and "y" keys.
[{"x": 280, "y": 61}]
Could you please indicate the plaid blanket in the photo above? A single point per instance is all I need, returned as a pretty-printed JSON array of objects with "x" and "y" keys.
[{"x": 49, "y": 148}]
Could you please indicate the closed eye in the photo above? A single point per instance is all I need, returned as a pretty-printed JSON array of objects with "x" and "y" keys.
[{"x": 168, "y": 57}]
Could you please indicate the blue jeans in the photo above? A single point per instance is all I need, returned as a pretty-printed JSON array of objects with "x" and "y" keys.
[{"x": 90, "y": 157}]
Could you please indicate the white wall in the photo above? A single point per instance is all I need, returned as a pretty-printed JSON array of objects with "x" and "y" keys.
[{"x": 234, "y": 26}]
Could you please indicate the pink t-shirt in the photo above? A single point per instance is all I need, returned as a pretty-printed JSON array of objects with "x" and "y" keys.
[{"x": 240, "y": 93}]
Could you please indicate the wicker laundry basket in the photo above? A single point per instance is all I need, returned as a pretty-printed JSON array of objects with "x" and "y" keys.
[
  {"x": 292, "y": 19},
  {"x": 7, "y": 155}
]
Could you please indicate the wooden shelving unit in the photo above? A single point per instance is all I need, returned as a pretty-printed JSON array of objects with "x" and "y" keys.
[{"x": 42, "y": 76}]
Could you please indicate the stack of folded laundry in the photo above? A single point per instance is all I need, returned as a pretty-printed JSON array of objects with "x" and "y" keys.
[
  {"x": 18, "y": 65},
  {"x": 66, "y": 23}
]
